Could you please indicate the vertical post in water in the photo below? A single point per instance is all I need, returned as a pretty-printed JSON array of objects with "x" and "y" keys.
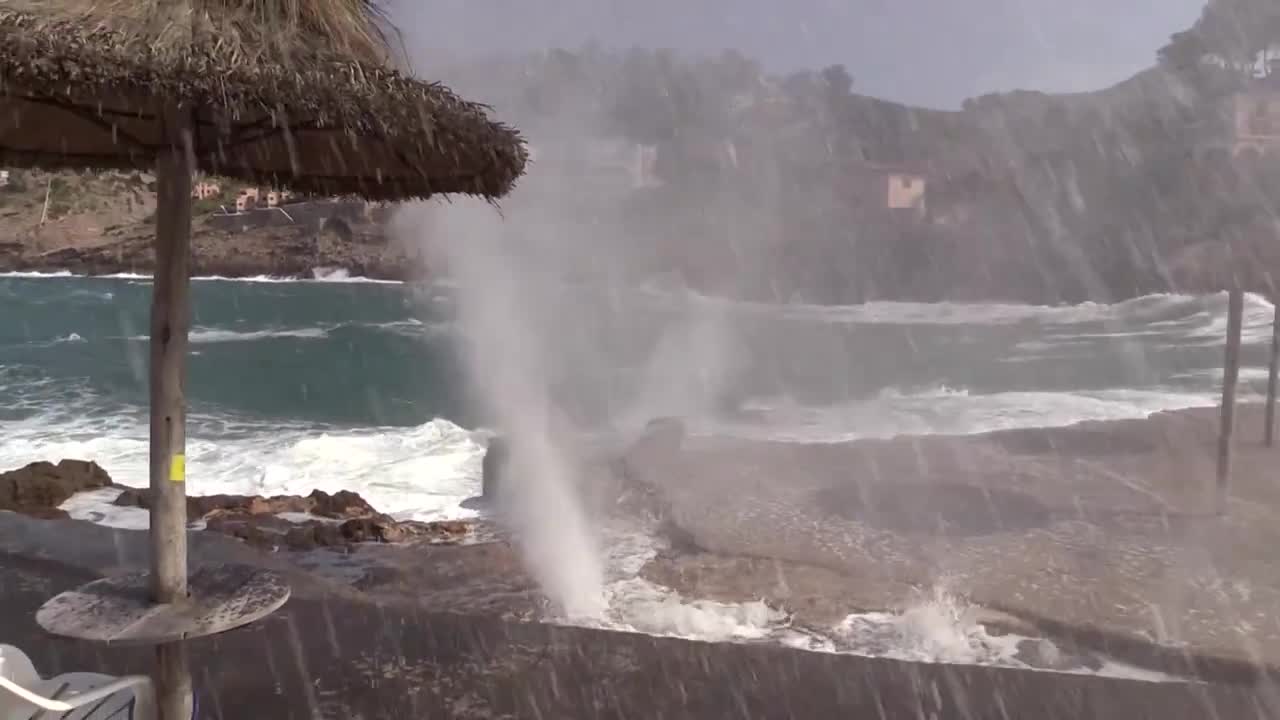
[
  {"x": 1272, "y": 371},
  {"x": 1230, "y": 375},
  {"x": 170, "y": 317}
]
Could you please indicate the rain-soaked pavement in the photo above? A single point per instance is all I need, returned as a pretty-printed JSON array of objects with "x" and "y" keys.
[
  {"x": 335, "y": 656},
  {"x": 1095, "y": 536},
  {"x": 1104, "y": 533}
]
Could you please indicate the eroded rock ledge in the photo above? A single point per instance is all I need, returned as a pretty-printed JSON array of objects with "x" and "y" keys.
[{"x": 334, "y": 520}]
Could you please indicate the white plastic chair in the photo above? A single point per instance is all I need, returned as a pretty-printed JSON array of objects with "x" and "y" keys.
[{"x": 70, "y": 696}]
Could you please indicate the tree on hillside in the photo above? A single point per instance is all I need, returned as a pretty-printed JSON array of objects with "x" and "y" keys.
[
  {"x": 561, "y": 83},
  {"x": 837, "y": 82},
  {"x": 644, "y": 106},
  {"x": 1239, "y": 35}
]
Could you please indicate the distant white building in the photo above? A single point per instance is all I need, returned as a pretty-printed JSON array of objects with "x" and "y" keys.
[
  {"x": 643, "y": 175},
  {"x": 4, "y": 178}
]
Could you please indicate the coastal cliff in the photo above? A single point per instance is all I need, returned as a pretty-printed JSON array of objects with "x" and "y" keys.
[
  {"x": 773, "y": 189},
  {"x": 101, "y": 223}
]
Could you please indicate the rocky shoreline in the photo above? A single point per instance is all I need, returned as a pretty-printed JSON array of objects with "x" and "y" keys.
[
  {"x": 271, "y": 252},
  {"x": 1110, "y": 520},
  {"x": 320, "y": 520}
]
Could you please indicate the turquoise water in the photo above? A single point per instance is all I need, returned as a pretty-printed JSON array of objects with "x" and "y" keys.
[
  {"x": 355, "y": 354},
  {"x": 358, "y": 385},
  {"x": 292, "y": 386}
]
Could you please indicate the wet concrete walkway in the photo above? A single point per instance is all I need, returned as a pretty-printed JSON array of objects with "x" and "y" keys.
[
  {"x": 335, "y": 656},
  {"x": 1103, "y": 532}
]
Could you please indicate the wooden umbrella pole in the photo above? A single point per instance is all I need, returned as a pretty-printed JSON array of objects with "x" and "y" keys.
[
  {"x": 1273, "y": 370},
  {"x": 170, "y": 319},
  {"x": 1230, "y": 375}
]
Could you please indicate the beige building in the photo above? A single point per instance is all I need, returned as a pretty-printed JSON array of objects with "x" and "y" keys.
[
  {"x": 1256, "y": 122},
  {"x": 252, "y": 198},
  {"x": 879, "y": 188},
  {"x": 204, "y": 190},
  {"x": 896, "y": 187},
  {"x": 247, "y": 199},
  {"x": 906, "y": 191}
]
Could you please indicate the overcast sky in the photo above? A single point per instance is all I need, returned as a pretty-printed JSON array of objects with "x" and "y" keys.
[{"x": 926, "y": 52}]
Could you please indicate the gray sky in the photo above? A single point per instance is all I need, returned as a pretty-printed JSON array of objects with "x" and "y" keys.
[{"x": 925, "y": 52}]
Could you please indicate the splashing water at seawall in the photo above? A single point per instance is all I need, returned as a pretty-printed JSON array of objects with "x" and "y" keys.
[{"x": 508, "y": 335}]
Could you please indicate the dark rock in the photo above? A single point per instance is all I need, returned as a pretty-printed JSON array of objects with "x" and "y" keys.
[
  {"x": 270, "y": 532},
  {"x": 39, "y": 488},
  {"x": 497, "y": 460},
  {"x": 343, "y": 504},
  {"x": 373, "y": 529},
  {"x": 254, "y": 519},
  {"x": 291, "y": 251},
  {"x": 379, "y": 576},
  {"x": 43, "y": 513},
  {"x": 646, "y": 460},
  {"x": 262, "y": 533}
]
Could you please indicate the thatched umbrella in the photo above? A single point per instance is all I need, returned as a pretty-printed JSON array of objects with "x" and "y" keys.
[{"x": 295, "y": 93}]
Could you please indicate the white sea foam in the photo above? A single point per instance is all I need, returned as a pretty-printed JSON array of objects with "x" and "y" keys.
[
  {"x": 96, "y": 506},
  {"x": 1157, "y": 308},
  {"x": 339, "y": 275},
  {"x": 947, "y": 411},
  {"x": 419, "y": 473},
  {"x": 641, "y": 606},
  {"x": 944, "y": 629},
  {"x": 18, "y": 274},
  {"x": 60, "y": 340},
  {"x": 343, "y": 275},
  {"x": 125, "y": 276},
  {"x": 940, "y": 629},
  {"x": 414, "y": 328},
  {"x": 200, "y": 336},
  {"x": 937, "y": 628},
  {"x": 210, "y": 335}
]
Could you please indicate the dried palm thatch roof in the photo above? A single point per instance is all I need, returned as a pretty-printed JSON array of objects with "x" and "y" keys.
[{"x": 290, "y": 92}]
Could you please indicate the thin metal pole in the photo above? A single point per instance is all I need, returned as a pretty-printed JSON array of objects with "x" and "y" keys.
[
  {"x": 1230, "y": 376},
  {"x": 1272, "y": 372},
  {"x": 170, "y": 318},
  {"x": 48, "y": 190}
]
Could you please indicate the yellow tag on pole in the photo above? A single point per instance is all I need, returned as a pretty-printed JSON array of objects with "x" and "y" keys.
[{"x": 178, "y": 468}]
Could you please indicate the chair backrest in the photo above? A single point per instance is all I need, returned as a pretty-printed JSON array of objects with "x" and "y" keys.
[
  {"x": 16, "y": 666},
  {"x": 129, "y": 697}
]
